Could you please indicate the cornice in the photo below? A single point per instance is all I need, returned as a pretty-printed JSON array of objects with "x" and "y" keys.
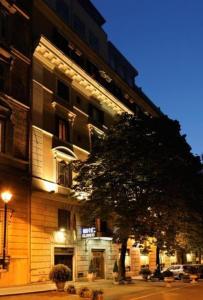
[{"x": 50, "y": 55}]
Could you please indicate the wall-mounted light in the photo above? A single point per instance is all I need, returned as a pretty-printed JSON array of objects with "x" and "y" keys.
[
  {"x": 60, "y": 236},
  {"x": 6, "y": 197}
]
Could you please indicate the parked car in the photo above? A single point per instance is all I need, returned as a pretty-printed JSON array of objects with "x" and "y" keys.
[{"x": 184, "y": 269}]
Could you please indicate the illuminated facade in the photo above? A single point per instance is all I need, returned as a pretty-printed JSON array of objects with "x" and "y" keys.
[
  {"x": 79, "y": 83},
  {"x": 15, "y": 61},
  {"x": 76, "y": 94}
]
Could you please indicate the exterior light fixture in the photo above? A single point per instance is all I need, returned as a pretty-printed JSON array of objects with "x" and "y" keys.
[{"x": 6, "y": 197}]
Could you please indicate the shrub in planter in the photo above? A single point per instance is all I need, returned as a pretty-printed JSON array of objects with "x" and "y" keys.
[
  {"x": 71, "y": 289},
  {"x": 145, "y": 272},
  {"x": 168, "y": 277},
  {"x": 91, "y": 271},
  {"x": 97, "y": 295},
  {"x": 60, "y": 274},
  {"x": 156, "y": 276},
  {"x": 115, "y": 271},
  {"x": 85, "y": 292},
  {"x": 185, "y": 278}
]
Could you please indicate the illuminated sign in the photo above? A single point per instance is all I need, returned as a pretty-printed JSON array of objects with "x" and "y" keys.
[{"x": 88, "y": 232}]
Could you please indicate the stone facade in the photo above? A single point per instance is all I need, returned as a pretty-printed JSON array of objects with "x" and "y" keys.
[{"x": 76, "y": 92}]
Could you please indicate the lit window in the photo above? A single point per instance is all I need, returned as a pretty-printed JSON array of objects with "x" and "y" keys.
[
  {"x": 63, "y": 129},
  {"x": 64, "y": 174}
]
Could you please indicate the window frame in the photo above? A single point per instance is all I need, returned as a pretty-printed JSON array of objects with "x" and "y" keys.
[
  {"x": 65, "y": 98},
  {"x": 67, "y": 181},
  {"x": 63, "y": 129},
  {"x": 64, "y": 219}
]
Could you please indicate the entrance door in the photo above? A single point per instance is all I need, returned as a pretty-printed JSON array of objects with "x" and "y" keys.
[
  {"x": 98, "y": 262},
  {"x": 64, "y": 256}
]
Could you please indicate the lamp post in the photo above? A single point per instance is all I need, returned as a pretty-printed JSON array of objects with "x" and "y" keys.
[{"x": 6, "y": 197}]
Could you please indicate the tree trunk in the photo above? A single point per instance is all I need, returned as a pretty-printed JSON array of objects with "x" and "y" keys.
[
  {"x": 122, "y": 259},
  {"x": 158, "y": 267},
  {"x": 181, "y": 256}
]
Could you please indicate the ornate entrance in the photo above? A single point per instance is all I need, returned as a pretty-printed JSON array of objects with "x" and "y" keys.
[{"x": 98, "y": 262}]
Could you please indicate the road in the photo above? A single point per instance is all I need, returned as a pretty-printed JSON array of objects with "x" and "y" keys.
[{"x": 137, "y": 291}]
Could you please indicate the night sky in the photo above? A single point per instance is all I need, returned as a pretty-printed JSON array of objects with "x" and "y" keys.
[{"x": 163, "y": 39}]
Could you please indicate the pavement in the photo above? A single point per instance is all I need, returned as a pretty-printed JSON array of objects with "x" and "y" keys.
[
  {"x": 140, "y": 290},
  {"x": 48, "y": 286}
]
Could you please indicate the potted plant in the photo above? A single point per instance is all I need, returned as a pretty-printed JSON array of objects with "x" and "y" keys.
[
  {"x": 91, "y": 271},
  {"x": 60, "y": 274},
  {"x": 156, "y": 276},
  {"x": 71, "y": 289},
  {"x": 185, "y": 278},
  {"x": 85, "y": 292},
  {"x": 115, "y": 272},
  {"x": 193, "y": 274},
  {"x": 168, "y": 277},
  {"x": 97, "y": 295},
  {"x": 145, "y": 272}
]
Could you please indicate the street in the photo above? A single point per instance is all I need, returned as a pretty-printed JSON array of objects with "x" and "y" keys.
[{"x": 139, "y": 290}]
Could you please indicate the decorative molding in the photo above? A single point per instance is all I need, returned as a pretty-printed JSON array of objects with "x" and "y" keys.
[
  {"x": 71, "y": 116},
  {"x": 49, "y": 54}
]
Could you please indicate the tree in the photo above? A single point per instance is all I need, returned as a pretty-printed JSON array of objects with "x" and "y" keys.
[{"x": 139, "y": 176}]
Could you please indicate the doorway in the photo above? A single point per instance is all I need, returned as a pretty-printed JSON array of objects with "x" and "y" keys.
[
  {"x": 64, "y": 256},
  {"x": 98, "y": 262}
]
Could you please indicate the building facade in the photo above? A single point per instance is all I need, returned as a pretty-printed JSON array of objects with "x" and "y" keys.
[
  {"x": 15, "y": 68},
  {"x": 63, "y": 83}
]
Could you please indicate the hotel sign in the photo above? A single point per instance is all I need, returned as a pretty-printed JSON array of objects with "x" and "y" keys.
[{"x": 88, "y": 232}]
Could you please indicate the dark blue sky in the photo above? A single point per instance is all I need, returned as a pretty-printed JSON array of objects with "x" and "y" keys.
[{"x": 163, "y": 39}]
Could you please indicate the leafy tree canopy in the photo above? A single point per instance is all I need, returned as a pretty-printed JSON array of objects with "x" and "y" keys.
[{"x": 141, "y": 175}]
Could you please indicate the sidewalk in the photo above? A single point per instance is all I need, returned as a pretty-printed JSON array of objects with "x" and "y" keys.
[{"x": 47, "y": 286}]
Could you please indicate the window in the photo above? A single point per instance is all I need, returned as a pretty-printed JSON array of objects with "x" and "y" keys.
[
  {"x": 4, "y": 74},
  {"x": 63, "y": 130},
  {"x": 3, "y": 25},
  {"x": 2, "y": 135},
  {"x": 78, "y": 100},
  {"x": 79, "y": 26},
  {"x": 60, "y": 41},
  {"x": 93, "y": 41},
  {"x": 64, "y": 174},
  {"x": 62, "y": 90},
  {"x": 63, "y": 10},
  {"x": 92, "y": 69},
  {"x": 63, "y": 219},
  {"x": 21, "y": 43},
  {"x": 96, "y": 115}
]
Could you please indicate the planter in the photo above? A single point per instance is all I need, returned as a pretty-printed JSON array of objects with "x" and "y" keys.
[
  {"x": 168, "y": 281},
  {"x": 115, "y": 277},
  {"x": 145, "y": 276},
  {"x": 193, "y": 278},
  {"x": 154, "y": 279},
  {"x": 90, "y": 276},
  {"x": 100, "y": 297},
  {"x": 186, "y": 279},
  {"x": 60, "y": 286}
]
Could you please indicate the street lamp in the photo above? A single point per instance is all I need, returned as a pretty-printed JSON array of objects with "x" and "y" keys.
[{"x": 6, "y": 197}]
